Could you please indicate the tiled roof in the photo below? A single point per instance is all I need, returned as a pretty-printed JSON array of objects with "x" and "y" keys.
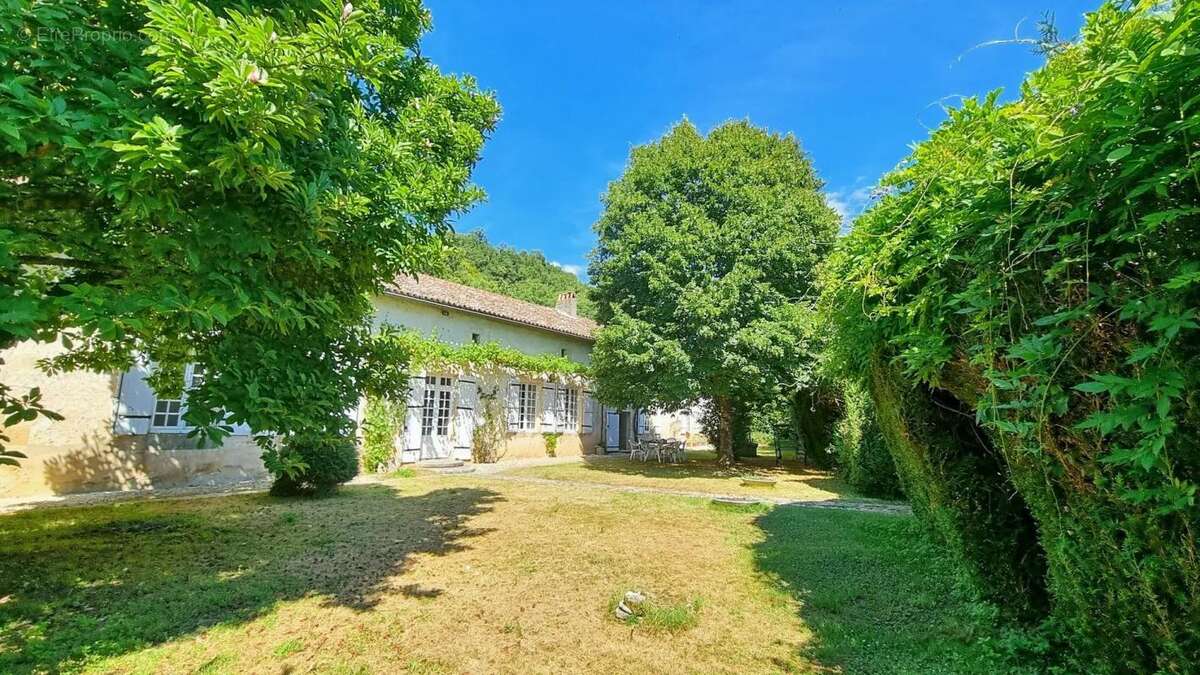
[{"x": 449, "y": 294}]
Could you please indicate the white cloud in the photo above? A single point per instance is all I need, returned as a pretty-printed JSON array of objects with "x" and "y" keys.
[
  {"x": 838, "y": 204},
  {"x": 577, "y": 270},
  {"x": 849, "y": 203}
]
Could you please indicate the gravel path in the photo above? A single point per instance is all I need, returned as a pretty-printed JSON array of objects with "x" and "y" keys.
[{"x": 14, "y": 504}]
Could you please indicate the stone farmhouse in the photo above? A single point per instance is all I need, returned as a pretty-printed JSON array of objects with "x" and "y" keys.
[{"x": 118, "y": 435}]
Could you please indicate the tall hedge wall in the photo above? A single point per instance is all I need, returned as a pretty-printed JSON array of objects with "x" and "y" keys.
[
  {"x": 1031, "y": 278},
  {"x": 862, "y": 456}
]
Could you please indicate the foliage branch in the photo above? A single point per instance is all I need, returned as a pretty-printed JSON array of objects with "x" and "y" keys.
[
  {"x": 1038, "y": 260},
  {"x": 228, "y": 185}
]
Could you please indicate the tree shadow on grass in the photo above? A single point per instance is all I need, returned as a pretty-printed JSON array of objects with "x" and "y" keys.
[
  {"x": 104, "y": 581},
  {"x": 878, "y": 597}
]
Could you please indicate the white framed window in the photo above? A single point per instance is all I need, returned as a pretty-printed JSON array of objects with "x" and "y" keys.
[
  {"x": 168, "y": 412},
  {"x": 525, "y": 400},
  {"x": 435, "y": 409}
]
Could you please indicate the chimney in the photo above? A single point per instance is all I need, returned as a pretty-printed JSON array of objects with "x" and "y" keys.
[{"x": 566, "y": 303}]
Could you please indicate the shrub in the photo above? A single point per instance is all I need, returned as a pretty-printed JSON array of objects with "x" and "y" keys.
[
  {"x": 862, "y": 455},
  {"x": 317, "y": 465},
  {"x": 1022, "y": 302},
  {"x": 551, "y": 441}
]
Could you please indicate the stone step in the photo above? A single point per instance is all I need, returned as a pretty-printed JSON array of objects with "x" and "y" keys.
[
  {"x": 455, "y": 470},
  {"x": 440, "y": 464}
]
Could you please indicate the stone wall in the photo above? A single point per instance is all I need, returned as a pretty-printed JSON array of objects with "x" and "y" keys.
[{"x": 80, "y": 453}]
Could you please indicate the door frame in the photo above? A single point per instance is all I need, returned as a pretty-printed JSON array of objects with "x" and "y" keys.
[
  {"x": 435, "y": 445},
  {"x": 612, "y": 428}
]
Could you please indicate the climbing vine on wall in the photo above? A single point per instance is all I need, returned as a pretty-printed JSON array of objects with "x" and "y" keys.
[
  {"x": 433, "y": 354},
  {"x": 489, "y": 440},
  {"x": 382, "y": 422},
  {"x": 492, "y": 364}
]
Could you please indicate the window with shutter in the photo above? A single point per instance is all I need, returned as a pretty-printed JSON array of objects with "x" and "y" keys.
[
  {"x": 522, "y": 407},
  {"x": 589, "y": 412},
  {"x": 168, "y": 412}
]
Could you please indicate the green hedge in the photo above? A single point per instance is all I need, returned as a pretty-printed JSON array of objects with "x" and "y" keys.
[
  {"x": 327, "y": 462},
  {"x": 1034, "y": 267},
  {"x": 862, "y": 456}
]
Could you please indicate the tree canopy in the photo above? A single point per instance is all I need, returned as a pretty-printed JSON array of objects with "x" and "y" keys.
[
  {"x": 225, "y": 184},
  {"x": 472, "y": 260},
  {"x": 704, "y": 270}
]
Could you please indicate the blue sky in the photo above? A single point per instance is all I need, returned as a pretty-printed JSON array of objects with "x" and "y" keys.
[{"x": 581, "y": 83}]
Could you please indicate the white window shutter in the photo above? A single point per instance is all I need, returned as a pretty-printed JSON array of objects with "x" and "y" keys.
[
  {"x": 589, "y": 411},
  {"x": 135, "y": 402},
  {"x": 412, "y": 414},
  {"x": 560, "y": 410},
  {"x": 464, "y": 417},
  {"x": 511, "y": 406},
  {"x": 549, "y": 419}
]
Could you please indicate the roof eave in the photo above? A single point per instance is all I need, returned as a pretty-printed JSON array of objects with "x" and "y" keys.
[{"x": 489, "y": 315}]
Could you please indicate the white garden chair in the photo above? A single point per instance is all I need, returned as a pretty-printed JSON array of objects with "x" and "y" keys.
[
  {"x": 637, "y": 448},
  {"x": 674, "y": 451}
]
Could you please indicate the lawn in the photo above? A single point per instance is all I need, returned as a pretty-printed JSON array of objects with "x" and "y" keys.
[
  {"x": 700, "y": 473},
  {"x": 466, "y": 574}
]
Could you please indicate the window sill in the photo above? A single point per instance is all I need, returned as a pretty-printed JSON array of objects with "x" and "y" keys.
[{"x": 177, "y": 431}]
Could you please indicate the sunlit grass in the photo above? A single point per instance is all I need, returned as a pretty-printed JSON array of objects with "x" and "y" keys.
[
  {"x": 467, "y": 574},
  {"x": 700, "y": 473}
]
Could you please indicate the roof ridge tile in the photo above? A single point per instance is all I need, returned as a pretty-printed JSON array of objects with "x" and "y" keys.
[{"x": 447, "y": 293}]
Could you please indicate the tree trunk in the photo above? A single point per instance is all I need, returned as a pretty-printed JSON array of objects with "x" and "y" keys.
[
  {"x": 815, "y": 416},
  {"x": 725, "y": 456},
  {"x": 739, "y": 432}
]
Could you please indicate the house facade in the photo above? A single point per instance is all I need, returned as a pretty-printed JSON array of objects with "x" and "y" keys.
[
  {"x": 117, "y": 434},
  {"x": 446, "y": 408}
]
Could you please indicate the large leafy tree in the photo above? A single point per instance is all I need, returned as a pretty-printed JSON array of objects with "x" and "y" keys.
[
  {"x": 704, "y": 271},
  {"x": 224, "y": 183}
]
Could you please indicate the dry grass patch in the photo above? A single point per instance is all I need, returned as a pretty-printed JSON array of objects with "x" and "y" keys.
[
  {"x": 469, "y": 575},
  {"x": 423, "y": 575},
  {"x": 700, "y": 473}
]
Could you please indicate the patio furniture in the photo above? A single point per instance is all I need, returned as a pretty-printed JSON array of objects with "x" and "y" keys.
[
  {"x": 637, "y": 448},
  {"x": 667, "y": 449}
]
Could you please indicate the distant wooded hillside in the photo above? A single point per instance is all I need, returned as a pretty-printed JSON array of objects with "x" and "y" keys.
[{"x": 525, "y": 275}]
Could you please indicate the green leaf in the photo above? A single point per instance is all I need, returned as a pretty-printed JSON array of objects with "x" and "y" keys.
[
  {"x": 1119, "y": 153},
  {"x": 1093, "y": 387}
]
